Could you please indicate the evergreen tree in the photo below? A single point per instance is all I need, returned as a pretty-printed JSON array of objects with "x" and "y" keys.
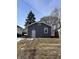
[{"x": 30, "y": 18}]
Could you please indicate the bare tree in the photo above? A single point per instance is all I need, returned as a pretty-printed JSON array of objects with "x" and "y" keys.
[{"x": 54, "y": 20}]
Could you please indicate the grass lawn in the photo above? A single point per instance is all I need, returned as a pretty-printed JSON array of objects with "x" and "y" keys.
[{"x": 39, "y": 48}]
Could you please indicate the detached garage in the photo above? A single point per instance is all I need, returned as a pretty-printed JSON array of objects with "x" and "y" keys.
[{"x": 39, "y": 30}]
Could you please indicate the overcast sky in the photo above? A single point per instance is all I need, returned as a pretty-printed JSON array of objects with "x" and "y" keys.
[{"x": 39, "y": 7}]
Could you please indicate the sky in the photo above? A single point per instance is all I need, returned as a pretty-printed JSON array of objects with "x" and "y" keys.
[{"x": 40, "y": 8}]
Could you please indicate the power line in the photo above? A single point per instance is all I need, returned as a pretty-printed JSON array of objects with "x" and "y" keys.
[{"x": 32, "y": 7}]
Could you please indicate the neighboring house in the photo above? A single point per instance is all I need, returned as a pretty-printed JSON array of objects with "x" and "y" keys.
[
  {"x": 39, "y": 30},
  {"x": 19, "y": 31},
  {"x": 25, "y": 32}
]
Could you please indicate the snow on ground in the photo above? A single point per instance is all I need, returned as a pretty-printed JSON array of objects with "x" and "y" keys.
[{"x": 18, "y": 39}]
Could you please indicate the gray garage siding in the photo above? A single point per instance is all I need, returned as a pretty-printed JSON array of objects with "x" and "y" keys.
[{"x": 39, "y": 28}]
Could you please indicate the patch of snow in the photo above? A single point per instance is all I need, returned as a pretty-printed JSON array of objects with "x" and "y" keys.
[
  {"x": 18, "y": 39},
  {"x": 30, "y": 39}
]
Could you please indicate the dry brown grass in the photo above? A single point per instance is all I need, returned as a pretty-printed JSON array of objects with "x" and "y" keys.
[{"x": 39, "y": 48}]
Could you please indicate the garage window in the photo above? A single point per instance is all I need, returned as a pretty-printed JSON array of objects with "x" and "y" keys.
[{"x": 45, "y": 30}]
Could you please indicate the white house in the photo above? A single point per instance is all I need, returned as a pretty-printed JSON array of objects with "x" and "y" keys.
[{"x": 19, "y": 30}]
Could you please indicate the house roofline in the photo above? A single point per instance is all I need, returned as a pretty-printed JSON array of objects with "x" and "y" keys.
[
  {"x": 19, "y": 26},
  {"x": 37, "y": 22}
]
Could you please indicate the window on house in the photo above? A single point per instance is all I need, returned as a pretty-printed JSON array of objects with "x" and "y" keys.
[{"x": 45, "y": 30}]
